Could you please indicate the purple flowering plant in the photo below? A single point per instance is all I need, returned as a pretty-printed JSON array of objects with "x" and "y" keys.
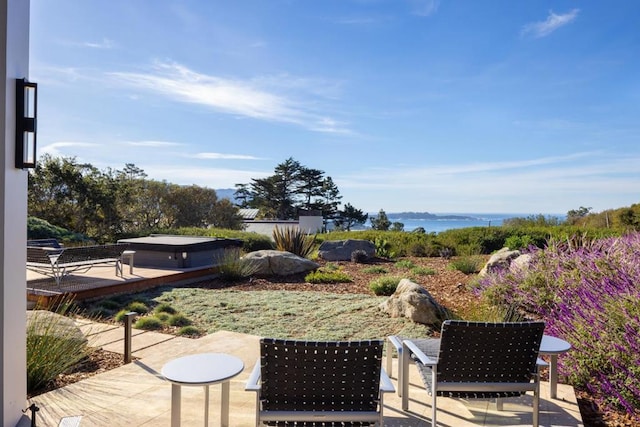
[{"x": 589, "y": 295}]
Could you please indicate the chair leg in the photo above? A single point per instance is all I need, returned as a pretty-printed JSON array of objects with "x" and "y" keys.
[
  {"x": 536, "y": 405},
  {"x": 403, "y": 377},
  {"x": 434, "y": 408},
  {"x": 434, "y": 398},
  {"x": 499, "y": 404}
]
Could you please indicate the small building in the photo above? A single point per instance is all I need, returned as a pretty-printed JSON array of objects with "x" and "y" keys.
[{"x": 309, "y": 221}]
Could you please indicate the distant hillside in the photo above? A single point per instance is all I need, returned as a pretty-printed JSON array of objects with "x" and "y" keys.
[
  {"x": 226, "y": 193},
  {"x": 424, "y": 215}
]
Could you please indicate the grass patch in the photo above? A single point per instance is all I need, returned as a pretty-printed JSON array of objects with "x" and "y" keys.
[
  {"x": 320, "y": 276},
  {"x": 148, "y": 323},
  {"x": 376, "y": 269},
  {"x": 423, "y": 271},
  {"x": 385, "y": 285},
  {"x": 467, "y": 264},
  {"x": 405, "y": 263},
  {"x": 165, "y": 308},
  {"x": 287, "y": 314}
]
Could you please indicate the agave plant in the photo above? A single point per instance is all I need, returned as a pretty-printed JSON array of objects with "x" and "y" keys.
[{"x": 294, "y": 240}]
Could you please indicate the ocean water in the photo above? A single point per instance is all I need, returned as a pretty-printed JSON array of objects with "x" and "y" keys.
[{"x": 442, "y": 222}]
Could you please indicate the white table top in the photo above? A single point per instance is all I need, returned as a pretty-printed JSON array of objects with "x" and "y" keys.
[
  {"x": 202, "y": 369},
  {"x": 553, "y": 345}
]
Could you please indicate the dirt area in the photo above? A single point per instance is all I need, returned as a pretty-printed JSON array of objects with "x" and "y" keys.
[{"x": 447, "y": 286}]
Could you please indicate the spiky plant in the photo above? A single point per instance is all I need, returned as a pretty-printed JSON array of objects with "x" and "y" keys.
[{"x": 294, "y": 240}]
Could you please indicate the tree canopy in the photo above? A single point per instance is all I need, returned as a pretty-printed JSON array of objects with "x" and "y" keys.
[
  {"x": 291, "y": 188},
  {"x": 108, "y": 204}
]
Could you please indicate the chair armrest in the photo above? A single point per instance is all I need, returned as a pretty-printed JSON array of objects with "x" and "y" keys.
[
  {"x": 253, "y": 380},
  {"x": 386, "y": 386},
  {"x": 396, "y": 342},
  {"x": 423, "y": 358}
]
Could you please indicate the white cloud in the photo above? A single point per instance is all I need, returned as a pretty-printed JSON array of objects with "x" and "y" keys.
[
  {"x": 246, "y": 98},
  {"x": 154, "y": 143},
  {"x": 552, "y": 23},
  {"x": 222, "y": 156},
  {"x": 104, "y": 44},
  {"x": 54, "y": 149},
  {"x": 424, "y": 7}
]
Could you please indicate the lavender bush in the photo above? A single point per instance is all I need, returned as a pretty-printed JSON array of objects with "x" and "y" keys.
[{"x": 589, "y": 295}]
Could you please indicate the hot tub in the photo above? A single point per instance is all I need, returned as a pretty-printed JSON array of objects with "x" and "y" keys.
[{"x": 179, "y": 252}]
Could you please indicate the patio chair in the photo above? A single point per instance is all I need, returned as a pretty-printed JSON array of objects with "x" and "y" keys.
[
  {"x": 478, "y": 360},
  {"x": 307, "y": 383}
]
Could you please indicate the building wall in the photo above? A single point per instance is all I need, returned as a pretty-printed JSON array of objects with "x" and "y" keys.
[{"x": 14, "y": 63}]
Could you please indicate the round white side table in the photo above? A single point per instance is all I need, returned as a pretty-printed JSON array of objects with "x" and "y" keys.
[{"x": 202, "y": 370}]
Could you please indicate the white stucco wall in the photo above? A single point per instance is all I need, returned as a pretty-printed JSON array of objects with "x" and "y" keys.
[{"x": 14, "y": 63}]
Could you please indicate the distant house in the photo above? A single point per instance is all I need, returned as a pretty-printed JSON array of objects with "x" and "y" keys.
[{"x": 310, "y": 221}]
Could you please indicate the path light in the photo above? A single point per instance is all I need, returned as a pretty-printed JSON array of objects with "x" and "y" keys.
[{"x": 26, "y": 114}]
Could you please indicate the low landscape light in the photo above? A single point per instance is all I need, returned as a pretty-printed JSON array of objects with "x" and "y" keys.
[{"x": 26, "y": 116}]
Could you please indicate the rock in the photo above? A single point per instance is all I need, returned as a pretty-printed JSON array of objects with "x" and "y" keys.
[
  {"x": 340, "y": 250},
  {"x": 499, "y": 260},
  {"x": 521, "y": 262},
  {"x": 412, "y": 301},
  {"x": 47, "y": 323},
  {"x": 279, "y": 263}
]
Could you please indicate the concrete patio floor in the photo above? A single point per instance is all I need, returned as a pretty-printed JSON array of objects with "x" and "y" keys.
[{"x": 136, "y": 394}]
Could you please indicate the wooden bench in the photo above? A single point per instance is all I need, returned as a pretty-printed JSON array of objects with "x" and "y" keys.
[{"x": 58, "y": 262}]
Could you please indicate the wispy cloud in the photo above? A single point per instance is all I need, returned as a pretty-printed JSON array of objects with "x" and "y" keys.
[
  {"x": 105, "y": 43},
  {"x": 552, "y": 23},
  {"x": 247, "y": 98},
  {"x": 223, "y": 156},
  {"x": 424, "y": 7},
  {"x": 154, "y": 143},
  {"x": 56, "y": 149}
]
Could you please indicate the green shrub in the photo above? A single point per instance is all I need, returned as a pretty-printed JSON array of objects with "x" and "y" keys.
[
  {"x": 320, "y": 276},
  {"x": 385, "y": 285},
  {"x": 330, "y": 267},
  {"x": 467, "y": 264},
  {"x": 376, "y": 269},
  {"x": 405, "y": 263},
  {"x": 417, "y": 249},
  {"x": 294, "y": 240},
  {"x": 121, "y": 315},
  {"x": 148, "y": 323},
  {"x": 359, "y": 256},
  {"x": 383, "y": 248},
  {"x": 518, "y": 242},
  {"x": 162, "y": 316},
  {"x": 165, "y": 307},
  {"x": 188, "y": 331},
  {"x": 178, "y": 319},
  {"x": 423, "y": 271},
  {"x": 138, "y": 307}
]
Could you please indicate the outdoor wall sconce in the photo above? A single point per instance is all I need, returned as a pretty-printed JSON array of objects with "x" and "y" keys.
[{"x": 26, "y": 114}]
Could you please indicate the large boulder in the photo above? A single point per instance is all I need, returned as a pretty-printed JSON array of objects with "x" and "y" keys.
[
  {"x": 47, "y": 323},
  {"x": 341, "y": 250},
  {"x": 279, "y": 263},
  {"x": 499, "y": 260},
  {"x": 412, "y": 301}
]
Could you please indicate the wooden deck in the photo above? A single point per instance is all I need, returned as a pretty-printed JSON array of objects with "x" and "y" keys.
[{"x": 101, "y": 281}]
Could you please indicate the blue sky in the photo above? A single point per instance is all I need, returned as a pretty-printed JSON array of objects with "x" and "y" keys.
[{"x": 409, "y": 105}]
